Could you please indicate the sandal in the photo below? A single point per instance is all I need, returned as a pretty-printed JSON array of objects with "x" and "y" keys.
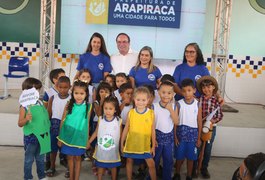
[
  {"x": 67, "y": 174},
  {"x": 50, "y": 172}
]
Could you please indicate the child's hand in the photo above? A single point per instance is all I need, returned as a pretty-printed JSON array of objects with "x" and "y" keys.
[
  {"x": 156, "y": 144},
  {"x": 59, "y": 143},
  {"x": 176, "y": 141},
  {"x": 153, "y": 151},
  {"x": 198, "y": 143},
  {"x": 107, "y": 95},
  {"x": 28, "y": 116},
  {"x": 122, "y": 146},
  {"x": 88, "y": 146},
  {"x": 169, "y": 106},
  {"x": 221, "y": 101},
  {"x": 127, "y": 101}
]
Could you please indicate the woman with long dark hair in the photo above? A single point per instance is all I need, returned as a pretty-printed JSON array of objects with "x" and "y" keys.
[{"x": 96, "y": 59}]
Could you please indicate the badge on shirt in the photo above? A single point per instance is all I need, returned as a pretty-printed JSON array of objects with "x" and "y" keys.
[
  {"x": 151, "y": 77},
  {"x": 101, "y": 66}
]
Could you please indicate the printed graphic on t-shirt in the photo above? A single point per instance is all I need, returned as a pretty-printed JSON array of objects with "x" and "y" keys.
[{"x": 106, "y": 142}]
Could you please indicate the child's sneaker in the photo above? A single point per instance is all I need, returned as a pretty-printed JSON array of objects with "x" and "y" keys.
[
  {"x": 194, "y": 174},
  {"x": 188, "y": 178},
  {"x": 205, "y": 173},
  {"x": 176, "y": 177}
]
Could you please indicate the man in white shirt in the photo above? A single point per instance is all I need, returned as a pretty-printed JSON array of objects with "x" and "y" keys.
[{"x": 126, "y": 58}]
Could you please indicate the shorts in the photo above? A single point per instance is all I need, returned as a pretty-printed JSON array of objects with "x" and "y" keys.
[{"x": 186, "y": 150}]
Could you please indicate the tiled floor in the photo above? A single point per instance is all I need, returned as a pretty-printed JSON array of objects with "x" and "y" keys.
[{"x": 11, "y": 167}]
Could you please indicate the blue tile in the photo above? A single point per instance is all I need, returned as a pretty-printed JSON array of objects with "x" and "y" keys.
[
  {"x": 56, "y": 46},
  {"x": 59, "y": 51},
  {"x": 25, "y": 49},
  {"x": 251, "y": 62},
  {"x": 20, "y": 44},
  {"x": 243, "y": 62},
  {"x": 263, "y": 59},
  {"x": 231, "y": 56},
  {"x": 0, "y": 47},
  {"x": 3, "y": 43},
  {"x": 209, "y": 59},
  {"x": 247, "y": 57},
  {"x": 16, "y": 48},
  {"x": 33, "y": 49},
  {"x": 260, "y": 63},
  {"x": 12, "y": 53},
  {"x": 234, "y": 61},
  {"x": 38, "y": 45},
  {"x": 64, "y": 55},
  {"x": 255, "y": 67},
  {"x": 29, "y": 53},
  {"x": 8, "y": 48},
  {"x": 238, "y": 66}
]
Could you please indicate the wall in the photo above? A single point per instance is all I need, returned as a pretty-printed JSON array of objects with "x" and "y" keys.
[
  {"x": 246, "y": 63},
  {"x": 23, "y": 24},
  {"x": 246, "y": 68}
]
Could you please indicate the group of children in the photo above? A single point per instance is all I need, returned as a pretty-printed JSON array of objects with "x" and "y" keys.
[{"x": 123, "y": 123}]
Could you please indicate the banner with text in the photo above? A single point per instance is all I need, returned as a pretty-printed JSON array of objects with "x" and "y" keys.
[{"x": 155, "y": 13}]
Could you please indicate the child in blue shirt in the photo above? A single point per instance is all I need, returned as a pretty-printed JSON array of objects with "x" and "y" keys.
[{"x": 188, "y": 132}]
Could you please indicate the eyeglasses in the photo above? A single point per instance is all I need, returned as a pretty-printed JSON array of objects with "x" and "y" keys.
[{"x": 190, "y": 52}]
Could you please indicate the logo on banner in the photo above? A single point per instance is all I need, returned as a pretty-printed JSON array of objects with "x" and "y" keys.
[
  {"x": 97, "y": 11},
  {"x": 97, "y": 8}
]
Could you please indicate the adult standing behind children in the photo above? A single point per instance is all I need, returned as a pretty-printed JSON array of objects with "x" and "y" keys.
[
  {"x": 126, "y": 58},
  {"x": 96, "y": 59},
  {"x": 192, "y": 67},
  {"x": 145, "y": 72}
]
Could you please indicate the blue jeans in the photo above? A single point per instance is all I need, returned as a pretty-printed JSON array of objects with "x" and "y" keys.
[
  {"x": 33, "y": 151},
  {"x": 208, "y": 150}
]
